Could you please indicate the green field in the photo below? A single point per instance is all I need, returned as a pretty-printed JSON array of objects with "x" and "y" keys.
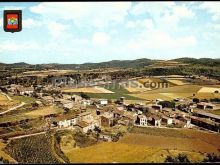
[
  {"x": 118, "y": 90},
  {"x": 216, "y": 112},
  {"x": 24, "y": 99}
]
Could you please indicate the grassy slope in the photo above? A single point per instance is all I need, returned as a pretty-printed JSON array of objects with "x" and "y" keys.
[
  {"x": 23, "y": 99},
  {"x": 30, "y": 115},
  {"x": 148, "y": 145}
]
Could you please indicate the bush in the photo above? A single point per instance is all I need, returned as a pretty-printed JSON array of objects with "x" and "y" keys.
[
  {"x": 84, "y": 96},
  {"x": 181, "y": 158},
  {"x": 195, "y": 100},
  {"x": 212, "y": 158}
]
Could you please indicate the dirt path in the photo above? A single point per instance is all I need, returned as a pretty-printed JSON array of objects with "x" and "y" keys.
[
  {"x": 13, "y": 108},
  {"x": 33, "y": 134},
  {"x": 8, "y": 97}
]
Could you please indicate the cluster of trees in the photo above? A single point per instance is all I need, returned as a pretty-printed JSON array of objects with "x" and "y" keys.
[
  {"x": 196, "y": 100},
  {"x": 212, "y": 158},
  {"x": 167, "y": 104},
  {"x": 181, "y": 158},
  {"x": 84, "y": 96}
]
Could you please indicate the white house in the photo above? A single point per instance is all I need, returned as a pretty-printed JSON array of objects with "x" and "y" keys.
[
  {"x": 103, "y": 101},
  {"x": 142, "y": 120},
  {"x": 24, "y": 90},
  {"x": 66, "y": 121}
]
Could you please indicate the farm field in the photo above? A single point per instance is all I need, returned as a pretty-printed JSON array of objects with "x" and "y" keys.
[
  {"x": 216, "y": 112},
  {"x": 3, "y": 97},
  {"x": 208, "y": 90},
  {"x": 46, "y": 73},
  {"x": 176, "y": 82},
  {"x": 148, "y": 145},
  {"x": 119, "y": 91},
  {"x": 183, "y": 91},
  {"x": 184, "y": 139},
  {"x": 4, "y": 154},
  {"x": 88, "y": 90},
  {"x": 33, "y": 149},
  {"x": 24, "y": 99},
  {"x": 31, "y": 115},
  {"x": 135, "y": 86},
  {"x": 123, "y": 152}
]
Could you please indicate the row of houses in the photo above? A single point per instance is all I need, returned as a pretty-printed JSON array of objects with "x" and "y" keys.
[{"x": 83, "y": 121}]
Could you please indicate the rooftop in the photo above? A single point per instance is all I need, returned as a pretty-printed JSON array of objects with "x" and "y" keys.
[{"x": 208, "y": 114}]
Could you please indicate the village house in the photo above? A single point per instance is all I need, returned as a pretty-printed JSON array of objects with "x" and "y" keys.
[
  {"x": 211, "y": 116},
  {"x": 66, "y": 121},
  {"x": 204, "y": 105},
  {"x": 107, "y": 119},
  {"x": 186, "y": 121},
  {"x": 86, "y": 102},
  {"x": 48, "y": 99},
  {"x": 157, "y": 107},
  {"x": 103, "y": 101},
  {"x": 83, "y": 126},
  {"x": 167, "y": 120},
  {"x": 67, "y": 104},
  {"x": 24, "y": 90},
  {"x": 120, "y": 107},
  {"x": 76, "y": 98},
  {"x": 84, "y": 116},
  {"x": 155, "y": 120},
  {"x": 205, "y": 123},
  {"x": 130, "y": 116},
  {"x": 141, "y": 120},
  {"x": 118, "y": 113},
  {"x": 123, "y": 122}
]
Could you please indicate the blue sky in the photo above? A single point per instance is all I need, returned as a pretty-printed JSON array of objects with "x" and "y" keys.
[{"x": 79, "y": 32}]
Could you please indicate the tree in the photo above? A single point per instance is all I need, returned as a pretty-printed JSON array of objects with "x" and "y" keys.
[
  {"x": 85, "y": 96},
  {"x": 195, "y": 100},
  {"x": 168, "y": 104}
]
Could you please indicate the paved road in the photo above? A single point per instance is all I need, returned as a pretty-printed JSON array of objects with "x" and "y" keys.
[{"x": 13, "y": 108}]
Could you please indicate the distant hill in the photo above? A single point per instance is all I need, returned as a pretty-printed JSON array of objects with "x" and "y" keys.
[
  {"x": 138, "y": 63},
  {"x": 200, "y": 61}
]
